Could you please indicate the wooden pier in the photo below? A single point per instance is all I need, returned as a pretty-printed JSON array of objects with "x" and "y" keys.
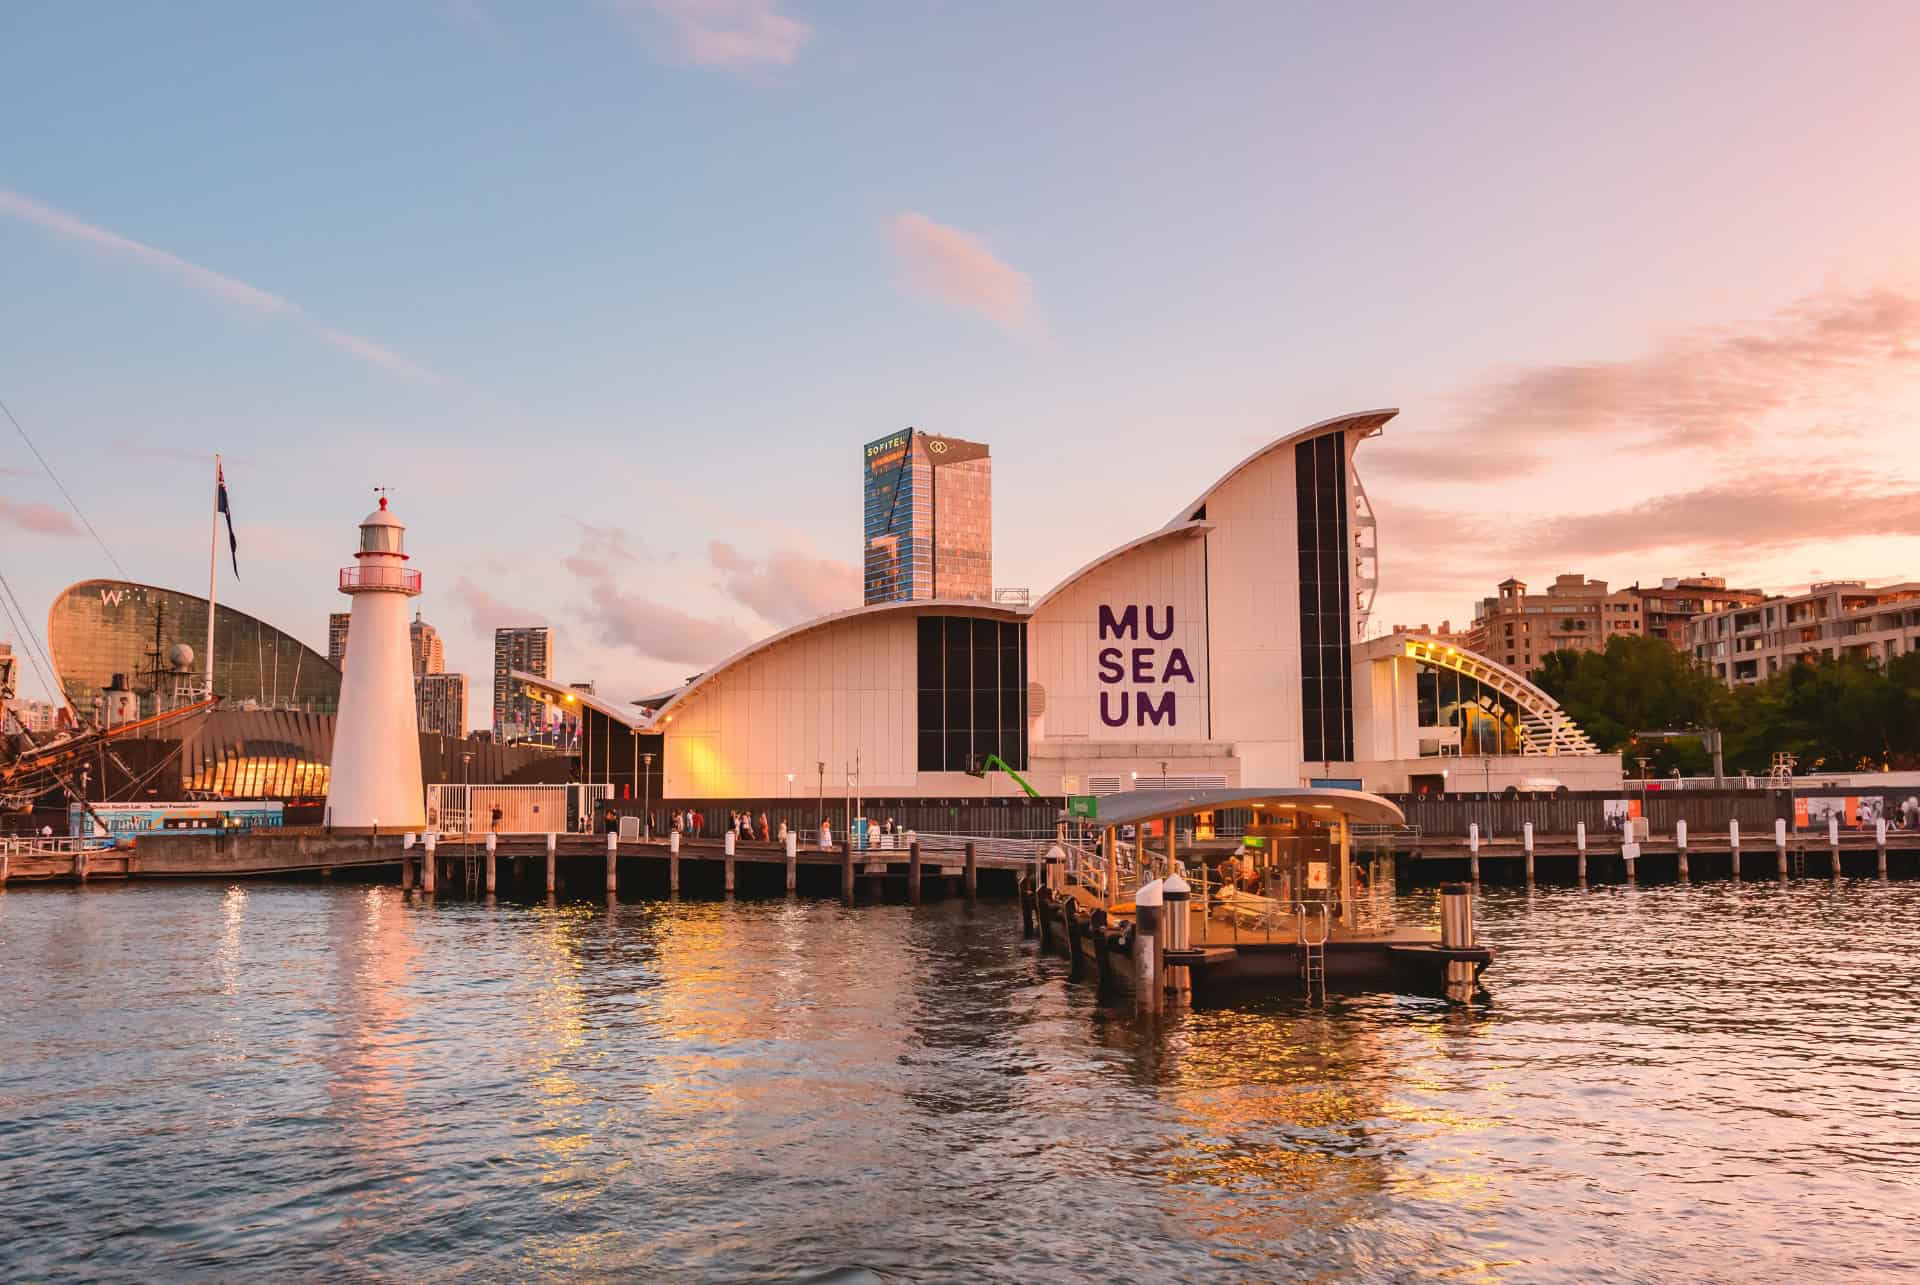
[
  {"x": 1611, "y": 859},
  {"x": 529, "y": 862}
]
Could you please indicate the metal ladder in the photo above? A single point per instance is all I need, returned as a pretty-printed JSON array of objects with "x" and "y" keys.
[{"x": 1313, "y": 951}]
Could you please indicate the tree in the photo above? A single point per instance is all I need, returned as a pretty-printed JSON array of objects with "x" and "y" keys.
[{"x": 1637, "y": 684}]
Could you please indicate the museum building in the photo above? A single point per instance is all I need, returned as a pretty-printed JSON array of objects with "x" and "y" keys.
[{"x": 1226, "y": 648}]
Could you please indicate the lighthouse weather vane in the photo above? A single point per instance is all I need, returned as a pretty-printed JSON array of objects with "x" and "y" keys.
[{"x": 381, "y": 491}]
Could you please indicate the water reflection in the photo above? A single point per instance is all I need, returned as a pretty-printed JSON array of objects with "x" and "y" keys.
[{"x": 348, "y": 1082}]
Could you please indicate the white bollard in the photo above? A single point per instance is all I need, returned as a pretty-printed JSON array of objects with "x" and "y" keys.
[
  {"x": 1526, "y": 837},
  {"x": 1833, "y": 840},
  {"x": 1680, "y": 843},
  {"x": 729, "y": 862},
  {"x": 1473, "y": 850},
  {"x": 553, "y": 842},
  {"x": 1880, "y": 844},
  {"x": 1580, "y": 845},
  {"x": 673, "y": 862},
  {"x": 731, "y": 836},
  {"x": 793, "y": 860},
  {"x": 1780, "y": 842},
  {"x": 1733, "y": 848},
  {"x": 613, "y": 861},
  {"x": 493, "y": 842}
]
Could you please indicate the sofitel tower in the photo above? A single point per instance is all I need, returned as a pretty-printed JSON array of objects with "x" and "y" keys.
[{"x": 929, "y": 518}]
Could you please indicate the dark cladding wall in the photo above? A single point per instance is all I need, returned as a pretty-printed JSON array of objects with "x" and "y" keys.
[
  {"x": 100, "y": 628},
  {"x": 972, "y": 697},
  {"x": 1326, "y": 619}
]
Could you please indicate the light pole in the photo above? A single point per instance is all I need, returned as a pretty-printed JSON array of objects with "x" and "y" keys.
[
  {"x": 646, "y": 805},
  {"x": 821, "y": 766}
]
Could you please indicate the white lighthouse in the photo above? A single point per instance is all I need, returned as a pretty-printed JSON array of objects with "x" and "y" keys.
[{"x": 376, "y": 742}]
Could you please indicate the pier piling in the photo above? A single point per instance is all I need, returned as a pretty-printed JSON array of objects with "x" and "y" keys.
[
  {"x": 429, "y": 873},
  {"x": 1146, "y": 945},
  {"x": 1733, "y": 849},
  {"x": 1780, "y": 842},
  {"x": 613, "y": 862},
  {"x": 973, "y": 868},
  {"x": 1879, "y": 843},
  {"x": 1833, "y": 842},
  {"x": 913, "y": 874},
  {"x": 1526, "y": 837},
  {"x": 1680, "y": 845},
  {"x": 673, "y": 862},
  {"x": 493, "y": 843},
  {"x": 793, "y": 861},
  {"x": 730, "y": 842},
  {"x": 1580, "y": 843},
  {"x": 846, "y": 871},
  {"x": 553, "y": 864},
  {"x": 406, "y": 864},
  {"x": 1473, "y": 850}
]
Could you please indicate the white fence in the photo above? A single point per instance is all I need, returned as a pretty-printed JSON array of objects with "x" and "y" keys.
[{"x": 524, "y": 809}]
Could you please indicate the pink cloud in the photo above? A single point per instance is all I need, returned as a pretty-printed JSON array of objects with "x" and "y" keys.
[
  {"x": 958, "y": 269},
  {"x": 725, "y": 33},
  {"x": 1703, "y": 389},
  {"x": 786, "y": 588},
  {"x": 39, "y": 519}
]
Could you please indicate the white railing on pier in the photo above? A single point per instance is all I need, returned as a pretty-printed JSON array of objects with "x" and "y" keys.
[{"x": 43, "y": 845}]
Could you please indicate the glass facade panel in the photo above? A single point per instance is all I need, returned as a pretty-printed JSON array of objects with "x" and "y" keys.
[
  {"x": 100, "y": 628},
  {"x": 967, "y": 706},
  {"x": 1326, "y": 620},
  {"x": 1448, "y": 698}
]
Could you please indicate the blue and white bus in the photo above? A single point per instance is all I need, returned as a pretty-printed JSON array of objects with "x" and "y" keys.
[{"x": 132, "y": 819}]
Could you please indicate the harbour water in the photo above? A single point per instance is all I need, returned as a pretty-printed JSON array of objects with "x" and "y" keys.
[{"x": 1714, "y": 1082}]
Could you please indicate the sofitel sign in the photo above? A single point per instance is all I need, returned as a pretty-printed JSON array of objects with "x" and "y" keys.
[{"x": 1144, "y": 667}]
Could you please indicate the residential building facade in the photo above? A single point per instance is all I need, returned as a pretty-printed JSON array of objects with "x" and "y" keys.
[
  {"x": 527, "y": 649},
  {"x": 1752, "y": 642},
  {"x": 1667, "y": 608},
  {"x": 1519, "y": 629},
  {"x": 440, "y": 700},
  {"x": 429, "y": 653}
]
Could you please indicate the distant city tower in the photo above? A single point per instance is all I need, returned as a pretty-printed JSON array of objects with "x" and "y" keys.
[{"x": 376, "y": 744}]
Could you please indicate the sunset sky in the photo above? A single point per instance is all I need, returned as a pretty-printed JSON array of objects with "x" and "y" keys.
[{"x": 610, "y": 293}]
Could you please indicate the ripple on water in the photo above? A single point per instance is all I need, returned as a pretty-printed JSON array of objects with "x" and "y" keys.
[{"x": 1708, "y": 1082}]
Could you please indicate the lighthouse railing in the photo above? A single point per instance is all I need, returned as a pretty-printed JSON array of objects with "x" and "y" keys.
[{"x": 379, "y": 577}]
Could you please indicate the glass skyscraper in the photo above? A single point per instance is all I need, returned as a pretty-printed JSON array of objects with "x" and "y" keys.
[{"x": 929, "y": 518}]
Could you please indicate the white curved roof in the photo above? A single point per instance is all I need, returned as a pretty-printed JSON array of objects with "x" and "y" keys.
[
  {"x": 917, "y": 606},
  {"x": 1133, "y": 806},
  {"x": 1361, "y": 421},
  {"x": 1152, "y": 537}
]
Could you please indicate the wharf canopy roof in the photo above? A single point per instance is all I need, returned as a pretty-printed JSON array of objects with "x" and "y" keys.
[
  {"x": 1135, "y": 806},
  {"x": 99, "y": 628}
]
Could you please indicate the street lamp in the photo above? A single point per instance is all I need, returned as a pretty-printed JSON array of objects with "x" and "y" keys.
[
  {"x": 821, "y": 766},
  {"x": 647, "y": 804}
]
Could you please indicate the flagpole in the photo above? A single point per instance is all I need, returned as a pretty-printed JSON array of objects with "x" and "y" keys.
[{"x": 213, "y": 567}]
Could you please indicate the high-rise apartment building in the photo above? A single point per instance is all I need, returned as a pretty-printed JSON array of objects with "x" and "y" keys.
[
  {"x": 528, "y": 649},
  {"x": 429, "y": 653},
  {"x": 928, "y": 518},
  {"x": 337, "y": 623},
  {"x": 1668, "y": 608},
  {"x": 1519, "y": 629},
  {"x": 440, "y": 701}
]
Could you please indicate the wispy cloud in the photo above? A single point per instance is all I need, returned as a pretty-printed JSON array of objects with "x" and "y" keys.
[
  {"x": 1708, "y": 389},
  {"x": 207, "y": 281},
  {"x": 722, "y": 33},
  {"x": 605, "y": 564},
  {"x": 36, "y": 518},
  {"x": 957, "y": 268},
  {"x": 1728, "y": 521},
  {"x": 785, "y": 588}
]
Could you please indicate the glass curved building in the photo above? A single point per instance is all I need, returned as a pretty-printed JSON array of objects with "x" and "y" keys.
[{"x": 155, "y": 640}]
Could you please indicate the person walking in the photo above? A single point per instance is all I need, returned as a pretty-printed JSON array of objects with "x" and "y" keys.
[
  {"x": 765, "y": 834},
  {"x": 826, "y": 834}
]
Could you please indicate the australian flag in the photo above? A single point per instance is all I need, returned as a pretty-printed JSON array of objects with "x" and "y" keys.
[{"x": 221, "y": 506}]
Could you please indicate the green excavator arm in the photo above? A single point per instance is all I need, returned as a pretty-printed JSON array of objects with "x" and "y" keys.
[{"x": 994, "y": 763}]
